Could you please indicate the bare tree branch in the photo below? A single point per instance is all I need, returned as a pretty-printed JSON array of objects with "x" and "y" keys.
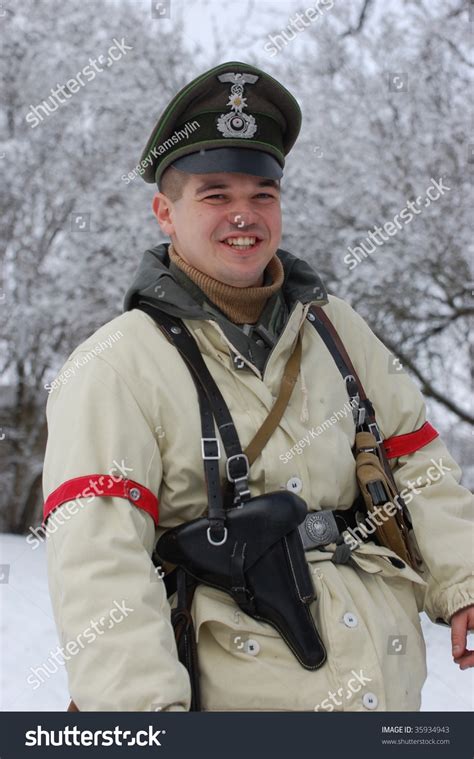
[{"x": 362, "y": 18}]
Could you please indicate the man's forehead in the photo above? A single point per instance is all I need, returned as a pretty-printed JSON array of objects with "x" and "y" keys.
[{"x": 223, "y": 180}]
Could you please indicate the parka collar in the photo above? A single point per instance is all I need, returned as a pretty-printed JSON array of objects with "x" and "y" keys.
[{"x": 155, "y": 283}]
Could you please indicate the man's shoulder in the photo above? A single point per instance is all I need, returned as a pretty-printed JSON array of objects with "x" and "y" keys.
[
  {"x": 126, "y": 330},
  {"x": 118, "y": 346},
  {"x": 354, "y": 332},
  {"x": 342, "y": 314}
]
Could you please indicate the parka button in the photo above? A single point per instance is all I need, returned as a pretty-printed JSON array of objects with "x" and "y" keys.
[
  {"x": 294, "y": 485},
  {"x": 134, "y": 494},
  {"x": 252, "y": 647},
  {"x": 350, "y": 619},
  {"x": 370, "y": 700}
]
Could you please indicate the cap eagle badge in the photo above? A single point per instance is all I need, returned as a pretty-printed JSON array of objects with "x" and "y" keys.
[{"x": 236, "y": 123}]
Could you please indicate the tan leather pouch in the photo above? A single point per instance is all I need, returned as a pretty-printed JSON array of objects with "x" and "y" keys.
[{"x": 391, "y": 530}]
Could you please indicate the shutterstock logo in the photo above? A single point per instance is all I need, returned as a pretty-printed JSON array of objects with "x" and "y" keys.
[
  {"x": 379, "y": 235},
  {"x": 72, "y": 735}
]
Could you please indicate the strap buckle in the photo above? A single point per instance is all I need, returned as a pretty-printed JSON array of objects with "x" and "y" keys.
[
  {"x": 238, "y": 476},
  {"x": 359, "y": 417},
  {"x": 373, "y": 428},
  {"x": 209, "y": 441},
  {"x": 358, "y": 411}
]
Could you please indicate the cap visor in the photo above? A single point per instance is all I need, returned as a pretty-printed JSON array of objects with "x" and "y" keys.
[{"x": 235, "y": 160}]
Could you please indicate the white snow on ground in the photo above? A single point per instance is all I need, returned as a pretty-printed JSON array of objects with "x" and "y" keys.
[{"x": 28, "y": 635}]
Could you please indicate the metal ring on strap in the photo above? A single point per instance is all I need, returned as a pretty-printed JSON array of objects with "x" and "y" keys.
[{"x": 216, "y": 542}]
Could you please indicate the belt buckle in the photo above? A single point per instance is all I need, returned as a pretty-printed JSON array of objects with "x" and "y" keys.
[{"x": 318, "y": 529}]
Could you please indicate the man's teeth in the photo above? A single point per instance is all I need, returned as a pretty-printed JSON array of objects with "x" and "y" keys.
[{"x": 241, "y": 242}]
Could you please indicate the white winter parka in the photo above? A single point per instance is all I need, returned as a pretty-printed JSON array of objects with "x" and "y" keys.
[{"x": 127, "y": 407}]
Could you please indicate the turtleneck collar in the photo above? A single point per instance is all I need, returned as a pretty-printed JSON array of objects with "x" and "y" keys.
[{"x": 242, "y": 305}]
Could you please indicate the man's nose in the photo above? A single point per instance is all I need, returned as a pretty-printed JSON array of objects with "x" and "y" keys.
[{"x": 241, "y": 219}]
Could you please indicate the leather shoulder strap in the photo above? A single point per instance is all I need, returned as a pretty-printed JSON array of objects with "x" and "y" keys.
[
  {"x": 175, "y": 331},
  {"x": 366, "y": 419},
  {"x": 335, "y": 345},
  {"x": 330, "y": 337}
]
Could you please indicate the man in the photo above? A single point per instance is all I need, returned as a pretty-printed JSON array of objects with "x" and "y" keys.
[{"x": 125, "y": 446}]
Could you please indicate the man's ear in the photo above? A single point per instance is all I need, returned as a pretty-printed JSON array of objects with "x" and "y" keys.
[{"x": 162, "y": 208}]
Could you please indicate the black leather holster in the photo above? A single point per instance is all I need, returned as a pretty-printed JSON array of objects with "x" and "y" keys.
[{"x": 260, "y": 562}]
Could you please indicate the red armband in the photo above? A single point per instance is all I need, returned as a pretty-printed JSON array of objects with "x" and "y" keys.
[
  {"x": 401, "y": 445},
  {"x": 92, "y": 485}
]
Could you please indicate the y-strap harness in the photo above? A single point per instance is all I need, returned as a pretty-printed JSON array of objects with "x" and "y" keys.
[
  {"x": 213, "y": 406},
  {"x": 322, "y": 530}
]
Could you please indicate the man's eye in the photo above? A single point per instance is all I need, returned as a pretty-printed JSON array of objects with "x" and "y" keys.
[{"x": 218, "y": 196}]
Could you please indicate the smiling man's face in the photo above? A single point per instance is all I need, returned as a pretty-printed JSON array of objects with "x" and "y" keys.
[{"x": 216, "y": 207}]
